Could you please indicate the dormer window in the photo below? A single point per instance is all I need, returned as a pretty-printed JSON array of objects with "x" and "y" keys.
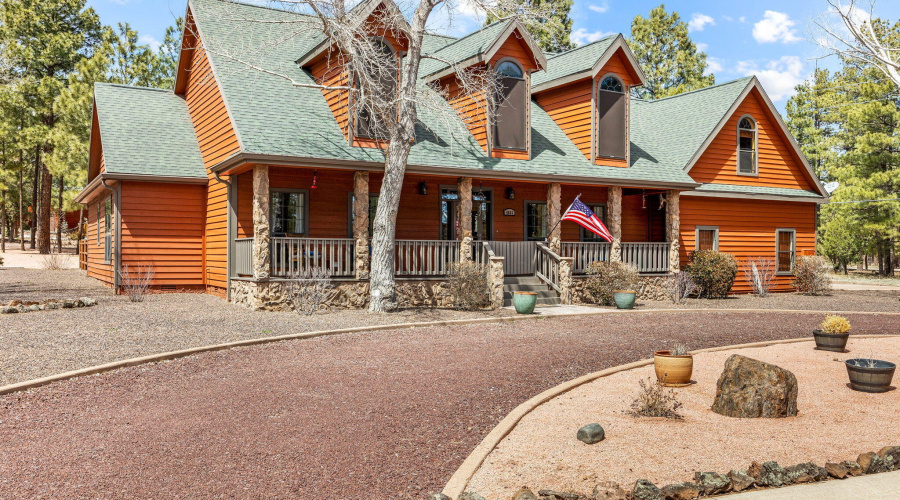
[
  {"x": 611, "y": 119},
  {"x": 747, "y": 146},
  {"x": 510, "y": 110},
  {"x": 383, "y": 73}
]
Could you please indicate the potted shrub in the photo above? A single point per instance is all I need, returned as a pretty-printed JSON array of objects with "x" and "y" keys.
[
  {"x": 674, "y": 367},
  {"x": 624, "y": 299},
  {"x": 870, "y": 375},
  {"x": 524, "y": 302},
  {"x": 832, "y": 334}
]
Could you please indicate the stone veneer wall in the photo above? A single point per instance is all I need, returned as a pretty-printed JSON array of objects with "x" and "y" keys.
[
  {"x": 650, "y": 288},
  {"x": 272, "y": 295}
]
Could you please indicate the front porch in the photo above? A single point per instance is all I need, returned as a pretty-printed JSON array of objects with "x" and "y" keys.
[{"x": 282, "y": 220}]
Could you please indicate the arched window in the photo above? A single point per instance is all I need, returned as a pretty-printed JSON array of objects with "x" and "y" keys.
[
  {"x": 383, "y": 70},
  {"x": 747, "y": 146},
  {"x": 511, "y": 107},
  {"x": 612, "y": 139}
]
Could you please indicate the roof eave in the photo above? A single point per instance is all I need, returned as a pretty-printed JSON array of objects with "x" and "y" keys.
[
  {"x": 758, "y": 196},
  {"x": 619, "y": 43}
]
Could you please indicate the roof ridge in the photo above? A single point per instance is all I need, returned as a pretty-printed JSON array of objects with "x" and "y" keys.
[
  {"x": 264, "y": 7},
  {"x": 745, "y": 78},
  {"x": 607, "y": 37},
  {"x": 132, "y": 87},
  {"x": 470, "y": 34},
  {"x": 432, "y": 33}
]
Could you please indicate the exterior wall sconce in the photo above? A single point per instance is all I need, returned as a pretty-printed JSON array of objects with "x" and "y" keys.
[
  {"x": 423, "y": 188},
  {"x": 315, "y": 178},
  {"x": 510, "y": 194}
]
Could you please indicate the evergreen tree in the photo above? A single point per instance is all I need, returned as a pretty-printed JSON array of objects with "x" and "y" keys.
[
  {"x": 167, "y": 55},
  {"x": 809, "y": 121},
  {"x": 133, "y": 63},
  {"x": 839, "y": 239},
  {"x": 667, "y": 55},
  {"x": 552, "y": 31}
]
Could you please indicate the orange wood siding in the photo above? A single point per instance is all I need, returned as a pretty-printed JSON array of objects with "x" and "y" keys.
[
  {"x": 747, "y": 229},
  {"x": 778, "y": 164},
  {"x": 472, "y": 109},
  {"x": 97, "y": 267},
  {"x": 102, "y": 162},
  {"x": 218, "y": 141},
  {"x": 570, "y": 107},
  {"x": 327, "y": 71},
  {"x": 516, "y": 48},
  {"x": 162, "y": 225}
]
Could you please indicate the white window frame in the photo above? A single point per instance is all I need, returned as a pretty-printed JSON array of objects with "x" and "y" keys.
[
  {"x": 715, "y": 230},
  {"x": 755, "y": 131},
  {"x": 793, "y": 233}
]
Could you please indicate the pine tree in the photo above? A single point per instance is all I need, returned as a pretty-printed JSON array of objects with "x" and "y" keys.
[
  {"x": 551, "y": 32},
  {"x": 810, "y": 123},
  {"x": 667, "y": 55},
  {"x": 167, "y": 55}
]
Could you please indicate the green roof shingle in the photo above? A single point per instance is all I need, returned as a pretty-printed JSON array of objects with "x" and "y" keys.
[
  {"x": 572, "y": 62},
  {"x": 471, "y": 45},
  {"x": 758, "y": 191}
]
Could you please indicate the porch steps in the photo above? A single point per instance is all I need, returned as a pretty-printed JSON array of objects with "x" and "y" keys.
[{"x": 545, "y": 295}]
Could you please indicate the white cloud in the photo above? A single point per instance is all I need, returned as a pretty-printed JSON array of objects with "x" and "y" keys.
[
  {"x": 713, "y": 65},
  {"x": 699, "y": 21},
  {"x": 727, "y": 18},
  {"x": 601, "y": 8},
  {"x": 778, "y": 77},
  {"x": 742, "y": 19},
  {"x": 702, "y": 46},
  {"x": 152, "y": 42},
  {"x": 775, "y": 27},
  {"x": 581, "y": 36}
]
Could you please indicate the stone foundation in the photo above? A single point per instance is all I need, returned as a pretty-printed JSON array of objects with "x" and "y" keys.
[
  {"x": 273, "y": 295},
  {"x": 655, "y": 288}
]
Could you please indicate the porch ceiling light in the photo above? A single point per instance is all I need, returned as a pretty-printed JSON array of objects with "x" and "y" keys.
[{"x": 423, "y": 188}]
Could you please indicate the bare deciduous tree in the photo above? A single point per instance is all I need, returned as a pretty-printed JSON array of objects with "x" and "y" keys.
[
  {"x": 760, "y": 274},
  {"x": 847, "y": 29},
  {"x": 385, "y": 91},
  {"x": 136, "y": 282},
  {"x": 308, "y": 289}
]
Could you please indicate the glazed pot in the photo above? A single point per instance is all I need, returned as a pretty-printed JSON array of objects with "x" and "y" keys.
[
  {"x": 524, "y": 302},
  {"x": 867, "y": 378},
  {"x": 671, "y": 370},
  {"x": 836, "y": 342},
  {"x": 624, "y": 298}
]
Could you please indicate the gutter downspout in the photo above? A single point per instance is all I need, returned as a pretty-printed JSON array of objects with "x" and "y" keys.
[
  {"x": 230, "y": 217},
  {"x": 117, "y": 228}
]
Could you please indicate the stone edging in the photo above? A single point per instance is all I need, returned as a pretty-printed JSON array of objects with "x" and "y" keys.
[{"x": 457, "y": 484}]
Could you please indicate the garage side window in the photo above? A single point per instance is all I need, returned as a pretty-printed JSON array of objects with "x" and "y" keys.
[{"x": 707, "y": 238}]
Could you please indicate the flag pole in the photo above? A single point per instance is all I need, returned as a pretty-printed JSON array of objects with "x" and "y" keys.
[{"x": 561, "y": 216}]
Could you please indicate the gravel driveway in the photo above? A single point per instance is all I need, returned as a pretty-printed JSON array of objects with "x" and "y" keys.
[{"x": 372, "y": 415}]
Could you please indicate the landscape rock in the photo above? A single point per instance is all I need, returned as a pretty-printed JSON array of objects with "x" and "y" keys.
[
  {"x": 872, "y": 463},
  {"x": 470, "y": 495},
  {"x": 852, "y": 467},
  {"x": 524, "y": 494},
  {"x": 891, "y": 456},
  {"x": 15, "y": 303},
  {"x": 88, "y": 302},
  {"x": 609, "y": 490},
  {"x": 767, "y": 473},
  {"x": 52, "y": 306},
  {"x": 438, "y": 496},
  {"x": 22, "y": 308},
  {"x": 68, "y": 304},
  {"x": 681, "y": 491},
  {"x": 799, "y": 474},
  {"x": 591, "y": 434},
  {"x": 712, "y": 483},
  {"x": 836, "y": 471},
  {"x": 645, "y": 490},
  {"x": 8, "y": 310},
  {"x": 78, "y": 303},
  {"x": 557, "y": 495},
  {"x": 34, "y": 308},
  {"x": 749, "y": 388},
  {"x": 740, "y": 480}
]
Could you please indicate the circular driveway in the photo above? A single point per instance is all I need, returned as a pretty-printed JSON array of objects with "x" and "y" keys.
[{"x": 370, "y": 415}]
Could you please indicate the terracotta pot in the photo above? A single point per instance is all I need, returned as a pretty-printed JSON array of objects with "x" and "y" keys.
[
  {"x": 870, "y": 379},
  {"x": 624, "y": 298},
  {"x": 524, "y": 302},
  {"x": 671, "y": 370},
  {"x": 836, "y": 342}
]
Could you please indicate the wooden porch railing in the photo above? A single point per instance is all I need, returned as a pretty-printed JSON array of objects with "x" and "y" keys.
[
  {"x": 648, "y": 257},
  {"x": 335, "y": 255},
  {"x": 83, "y": 254},
  {"x": 242, "y": 260},
  {"x": 425, "y": 257},
  {"x": 585, "y": 253},
  {"x": 548, "y": 266}
]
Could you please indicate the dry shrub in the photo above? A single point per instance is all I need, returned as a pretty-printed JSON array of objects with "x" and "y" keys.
[
  {"x": 811, "y": 275},
  {"x": 713, "y": 272},
  {"x": 760, "y": 274},
  {"x": 136, "y": 282},
  {"x": 655, "y": 400},
  {"x": 468, "y": 283},
  {"x": 54, "y": 261},
  {"x": 606, "y": 277},
  {"x": 309, "y": 289},
  {"x": 681, "y": 286},
  {"x": 835, "y": 324}
]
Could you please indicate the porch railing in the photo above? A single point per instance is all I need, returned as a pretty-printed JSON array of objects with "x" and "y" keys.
[
  {"x": 548, "y": 266},
  {"x": 243, "y": 257},
  {"x": 425, "y": 257},
  {"x": 648, "y": 257},
  {"x": 585, "y": 253},
  {"x": 335, "y": 255}
]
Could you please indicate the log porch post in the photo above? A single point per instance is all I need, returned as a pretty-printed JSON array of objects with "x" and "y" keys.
[
  {"x": 261, "y": 258},
  {"x": 464, "y": 218},
  {"x": 554, "y": 213},
  {"x": 361, "y": 222},
  {"x": 614, "y": 206},
  {"x": 673, "y": 228}
]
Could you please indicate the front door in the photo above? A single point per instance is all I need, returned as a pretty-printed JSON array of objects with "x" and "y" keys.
[{"x": 482, "y": 220}]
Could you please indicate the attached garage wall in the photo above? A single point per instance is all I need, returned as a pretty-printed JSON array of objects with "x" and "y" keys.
[{"x": 747, "y": 229}]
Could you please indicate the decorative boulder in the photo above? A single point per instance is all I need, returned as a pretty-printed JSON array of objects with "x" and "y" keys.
[
  {"x": 645, "y": 490},
  {"x": 749, "y": 388},
  {"x": 740, "y": 480},
  {"x": 805, "y": 473},
  {"x": 591, "y": 434},
  {"x": 712, "y": 483},
  {"x": 852, "y": 467},
  {"x": 891, "y": 456},
  {"x": 836, "y": 471},
  {"x": 681, "y": 491},
  {"x": 872, "y": 463},
  {"x": 525, "y": 494},
  {"x": 609, "y": 490},
  {"x": 767, "y": 474}
]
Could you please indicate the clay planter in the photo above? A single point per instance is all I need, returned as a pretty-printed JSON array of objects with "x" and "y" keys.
[
  {"x": 874, "y": 379},
  {"x": 524, "y": 302},
  {"x": 671, "y": 370},
  {"x": 836, "y": 342},
  {"x": 624, "y": 298}
]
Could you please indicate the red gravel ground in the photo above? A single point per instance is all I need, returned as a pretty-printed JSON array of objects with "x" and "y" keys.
[{"x": 371, "y": 415}]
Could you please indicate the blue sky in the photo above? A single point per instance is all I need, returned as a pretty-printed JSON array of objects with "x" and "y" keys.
[{"x": 764, "y": 37}]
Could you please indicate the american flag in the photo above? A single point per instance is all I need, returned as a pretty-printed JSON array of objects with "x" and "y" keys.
[{"x": 584, "y": 216}]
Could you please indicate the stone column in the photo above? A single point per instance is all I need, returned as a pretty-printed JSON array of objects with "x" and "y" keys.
[
  {"x": 495, "y": 281},
  {"x": 673, "y": 228},
  {"x": 614, "y": 207},
  {"x": 361, "y": 222},
  {"x": 566, "y": 295},
  {"x": 261, "y": 259},
  {"x": 464, "y": 218},
  {"x": 554, "y": 213}
]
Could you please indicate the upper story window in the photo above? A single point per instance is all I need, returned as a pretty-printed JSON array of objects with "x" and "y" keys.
[
  {"x": 383, "y": 73},
  {"x": 510, "y": 111},
  {"x": 612, "y": 139},
  {"x": 748, "y": 145}
]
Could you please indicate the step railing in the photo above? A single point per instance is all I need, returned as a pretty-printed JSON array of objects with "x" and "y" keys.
[
  {"x": 548, "y": 266},
  {"x": 647, "y": 257}
]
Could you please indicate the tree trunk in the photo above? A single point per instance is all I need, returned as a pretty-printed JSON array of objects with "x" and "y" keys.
[
  {"x": 382, "y": 290},
  {"x": 21, "y": 203},
  {"x": 61, "y": 218},
  {"x": 3, "y": 223},
  {"x": 44, "y": 212},
  {"x": 34, "y": 198}
]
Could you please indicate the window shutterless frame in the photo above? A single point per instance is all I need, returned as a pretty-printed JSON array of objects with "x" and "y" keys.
[
  {"x": 715, "y": 240},
  {"x": 542, "y": 215},
  {"x": 305, "y": 215},
  {"x": 785, "y": 256},
  {"x": 748, "y": 146}
]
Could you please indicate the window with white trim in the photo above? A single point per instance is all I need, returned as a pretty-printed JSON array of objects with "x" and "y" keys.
[
  {"x": 748, "y": 146},
  {"x": 785, "y": 250},
  {"x": 510, "y": 107},
  {"x": 612, "y": 109},
  {"x": 707, "y": 238}
]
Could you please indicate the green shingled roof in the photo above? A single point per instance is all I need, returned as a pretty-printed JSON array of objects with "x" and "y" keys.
[
  {"x": 459, "y": 50},
  {"x": 758, "y": 191},
  {"x": 572, "y": 62},
  {"x": 146, "y": 132}
]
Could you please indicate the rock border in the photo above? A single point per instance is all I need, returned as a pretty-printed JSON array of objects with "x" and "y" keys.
[
  {"x": 456, "y": 486},
  {"x": 19, "y": 306}
]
